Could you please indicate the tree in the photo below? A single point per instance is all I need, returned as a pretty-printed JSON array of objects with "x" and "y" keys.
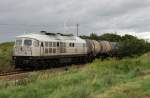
[
  {"x": 110, "y": 37},
  {"x": 94, "y": 36}
]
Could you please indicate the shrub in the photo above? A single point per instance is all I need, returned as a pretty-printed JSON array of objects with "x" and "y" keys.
[
  {"x": 5, "y": 54},
  {"x": 130, "y": 46}
]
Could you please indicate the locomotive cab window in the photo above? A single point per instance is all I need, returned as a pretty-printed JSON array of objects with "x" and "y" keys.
[
  {"x": 27, "y": 42},
  {"x": 18, "y": 42}
]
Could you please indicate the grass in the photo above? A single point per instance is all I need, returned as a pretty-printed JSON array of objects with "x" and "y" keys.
[
  {"x": 111, "y": 78},
  {"x": 5, "y": 54},
  {"x": 137, "y": 88}
]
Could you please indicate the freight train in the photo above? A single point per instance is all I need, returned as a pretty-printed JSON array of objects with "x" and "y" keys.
[{"x": 45, "y": 49}]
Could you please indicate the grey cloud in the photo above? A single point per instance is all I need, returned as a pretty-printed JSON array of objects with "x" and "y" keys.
[{"x": 19, "y": 16}]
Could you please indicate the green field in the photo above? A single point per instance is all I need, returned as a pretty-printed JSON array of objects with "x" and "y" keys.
[
  {"x": 5, "y": 55},
  {"x": 111, "y": 78}
]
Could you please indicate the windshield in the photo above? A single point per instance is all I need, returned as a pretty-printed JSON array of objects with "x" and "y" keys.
[
  {"x": 27, "y": 42},
  {"x": 18, "y": 42}
]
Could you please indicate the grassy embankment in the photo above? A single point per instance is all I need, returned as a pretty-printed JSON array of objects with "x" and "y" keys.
[
  {"x": 5, "y": 55},
  {"x": 126, "y": 78}
]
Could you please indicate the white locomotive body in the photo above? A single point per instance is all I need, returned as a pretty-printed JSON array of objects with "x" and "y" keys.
[{"x": 49, "y": 45}]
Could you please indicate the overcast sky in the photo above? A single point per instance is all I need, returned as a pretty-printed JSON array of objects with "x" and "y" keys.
[{"x": 99, "y": 16}]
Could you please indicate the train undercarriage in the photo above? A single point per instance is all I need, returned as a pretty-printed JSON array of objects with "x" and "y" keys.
[{"x": 48, "y": 61}]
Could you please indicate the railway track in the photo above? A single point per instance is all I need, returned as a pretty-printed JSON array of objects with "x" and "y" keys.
[
  {"x": 13, "y": 72},
  {"x": 20, "y": 71}
]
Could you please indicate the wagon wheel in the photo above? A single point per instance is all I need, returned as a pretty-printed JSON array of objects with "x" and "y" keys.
[{"x": 90, "y": 57}]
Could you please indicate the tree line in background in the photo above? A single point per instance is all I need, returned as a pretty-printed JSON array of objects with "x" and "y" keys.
[{"x": 128, "y": 45}]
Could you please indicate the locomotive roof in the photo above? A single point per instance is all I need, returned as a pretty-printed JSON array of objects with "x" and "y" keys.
[{"x": 52, "y": 37}]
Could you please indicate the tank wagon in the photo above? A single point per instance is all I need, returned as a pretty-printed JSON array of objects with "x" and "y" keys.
[
  {"x": 50, "y": 49},
  {"x": 108, "y": 48}
]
